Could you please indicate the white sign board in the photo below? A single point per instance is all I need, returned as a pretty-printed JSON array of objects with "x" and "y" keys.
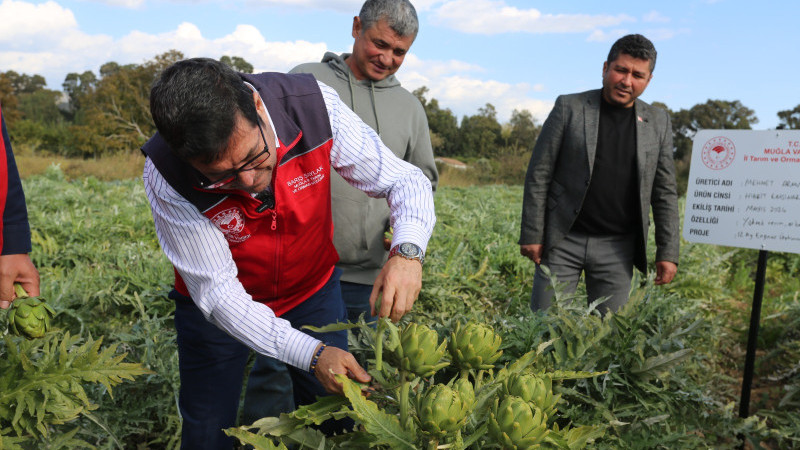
[{"x": 744, "y": 190}]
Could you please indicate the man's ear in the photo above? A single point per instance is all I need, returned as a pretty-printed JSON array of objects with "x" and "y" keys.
[
  {"x": 257, "y": 101},
  {"x": 356, "y": 26}
]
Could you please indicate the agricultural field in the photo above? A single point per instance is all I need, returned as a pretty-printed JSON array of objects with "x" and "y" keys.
[{"x": 665, "y": 372}]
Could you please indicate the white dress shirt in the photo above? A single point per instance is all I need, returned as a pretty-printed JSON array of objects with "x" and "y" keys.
[{"x": 200, "y": 253}]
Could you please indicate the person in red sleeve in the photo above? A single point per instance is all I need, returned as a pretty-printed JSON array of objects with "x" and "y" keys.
[{"x": 15, "y": 235}]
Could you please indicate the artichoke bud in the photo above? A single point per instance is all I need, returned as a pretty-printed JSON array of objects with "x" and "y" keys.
[
  {"x": 465, "y": 389},
  {"x": 442, "y": 411},
  {"x": 534, "y": 389},
  {"x": 419, "y": 351},
  {"x": 475, "y": 346},
  {"x": 515, "y": 423},
  {"x": 29, "y": 316}
]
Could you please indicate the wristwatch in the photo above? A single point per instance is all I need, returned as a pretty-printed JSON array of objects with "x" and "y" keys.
[{"x": 408, "y": 251}]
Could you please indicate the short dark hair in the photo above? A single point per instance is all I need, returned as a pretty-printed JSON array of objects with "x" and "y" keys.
[
  {"x": 634, "y": 45},
  {"x": 400, "y": 15},
  {"x": 194, "y": 103}
]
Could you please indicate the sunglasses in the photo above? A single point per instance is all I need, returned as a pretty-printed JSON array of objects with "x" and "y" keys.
[{"x": 252, "y": 164}]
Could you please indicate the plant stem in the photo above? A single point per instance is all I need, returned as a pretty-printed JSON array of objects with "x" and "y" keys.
[
  {"x": 434, "y": 444},
  {"x": 20, "y": 291},
  {"x": 404, "y": 386},
  {"x": 379, "y": 344}
]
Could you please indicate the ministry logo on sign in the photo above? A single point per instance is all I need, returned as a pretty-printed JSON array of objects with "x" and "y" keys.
[{"x": 718, "y": 153}]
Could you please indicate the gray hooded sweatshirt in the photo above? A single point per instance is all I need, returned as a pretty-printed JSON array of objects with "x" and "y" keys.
[{"x": 399, "y": 119}]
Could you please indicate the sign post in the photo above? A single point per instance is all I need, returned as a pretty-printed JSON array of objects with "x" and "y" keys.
[{"x": 744, "y": 191}]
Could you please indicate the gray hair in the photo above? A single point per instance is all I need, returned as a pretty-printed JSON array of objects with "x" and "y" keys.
[
  {"x": 400, "y": 15},
  {"x": 634, "y": 45}
]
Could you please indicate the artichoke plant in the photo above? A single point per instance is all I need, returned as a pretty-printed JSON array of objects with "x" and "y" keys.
[
  {"x": 465, "y": 390},
  {"x": 442, "y": 411},
  {"x": 516, "y": 424},
  {"x": 29, "y": 316},
  {"x": 533, "y": 389},
  {"x": 475, "y": 346},
  {"x": 419, "y": 351}
]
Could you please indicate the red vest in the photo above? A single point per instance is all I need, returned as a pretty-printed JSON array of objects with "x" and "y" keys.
[{"x": 284, "y": 254}]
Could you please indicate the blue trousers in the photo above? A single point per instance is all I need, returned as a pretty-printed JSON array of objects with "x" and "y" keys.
[
  {"x": 266, "y": 394},
  {"x": 212, "y": 364},
  {"x": 356, "y": 299}
]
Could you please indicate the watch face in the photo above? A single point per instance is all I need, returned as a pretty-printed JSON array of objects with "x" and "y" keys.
[{"x": 408, "y": 249}]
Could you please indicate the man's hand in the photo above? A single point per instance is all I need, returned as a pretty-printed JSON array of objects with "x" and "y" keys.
[
  {"x": 334, "y": 361},
  {"x": 399, "y": 283},
  {"x": 19, "y": 269},
  {"x": 665, "y": 271},
  {"x": 532, "y": 252}
]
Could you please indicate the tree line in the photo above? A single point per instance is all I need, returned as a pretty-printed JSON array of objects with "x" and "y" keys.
[{"x": 108, "y": 113}]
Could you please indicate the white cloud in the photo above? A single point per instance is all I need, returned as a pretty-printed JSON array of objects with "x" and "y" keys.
[
  {"x": 45, "y": 39},
  {"x": 131, "y": 4},
  {"x": 494, "y": 16},
  {"x": 347, "y": 6},
  {"x": 662, "y": 34},
  {"x": 436, "y": 69},
  {"x": 27, "y": 24},
  {"x": 606, "y": 36},
  {"x": 245, "y": 41},
  {"x": 464, "y": 94},
  {"x": 61, "y": 47},
  {"x": 654, "y": 34},
  {"x": 655, "y": 16},
  {"x": 343, "y": 6}
]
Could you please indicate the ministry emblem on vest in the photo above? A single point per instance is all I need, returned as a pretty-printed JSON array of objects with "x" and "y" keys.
[{"x": 231, "y": 222}]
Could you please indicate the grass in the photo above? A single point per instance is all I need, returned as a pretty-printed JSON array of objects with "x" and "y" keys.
[
  {"x": 102, "y": 268},
  {"x": 106, "y": 168}
]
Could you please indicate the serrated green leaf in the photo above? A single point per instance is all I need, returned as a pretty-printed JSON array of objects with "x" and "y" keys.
[
  {"x": 51, "y": 388},
  {"x": 328, "y": 407},
  {"x": 338, "y": 326},
  {"x": 10, "y": 442},
  {"x": 385, "y": 427},
  {"x": 573, "y": 375},
  {"x": 257, "y": 441},
  {"x": 276, "y": 426},
  {"x": 662, "y": 362}
]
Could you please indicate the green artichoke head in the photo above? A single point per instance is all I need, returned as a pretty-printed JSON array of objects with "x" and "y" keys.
[
  {"x": 536, "y": 389},
  {"x": 475, "y": 346},
  {"x": 466, "y": 390},
  {"x": 516, "y": 424},
  {"x": 419, "y": 351},
  {"x": 442, "y": 411},
  {"x": 29, "y": 317}
]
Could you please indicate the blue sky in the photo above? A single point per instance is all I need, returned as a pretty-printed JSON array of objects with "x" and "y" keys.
[{"x": 511, "y": 53}]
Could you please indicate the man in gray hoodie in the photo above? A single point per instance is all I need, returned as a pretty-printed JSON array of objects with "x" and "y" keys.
[{"x": 383, "y": 31}]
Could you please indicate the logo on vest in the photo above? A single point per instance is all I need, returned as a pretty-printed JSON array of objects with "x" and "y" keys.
[
  {"x": 231, "y": 223},
  {"x": 305, "y": 180}
]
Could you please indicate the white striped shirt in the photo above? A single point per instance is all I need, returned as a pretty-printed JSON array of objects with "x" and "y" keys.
[{"x": 200, "y": 253}]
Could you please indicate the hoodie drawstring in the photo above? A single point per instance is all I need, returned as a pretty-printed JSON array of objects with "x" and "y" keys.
[
  {"x": 372, "y": 97},
  {"x": 374, "y": 107},
  {"x": 352, "y": 94}
]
